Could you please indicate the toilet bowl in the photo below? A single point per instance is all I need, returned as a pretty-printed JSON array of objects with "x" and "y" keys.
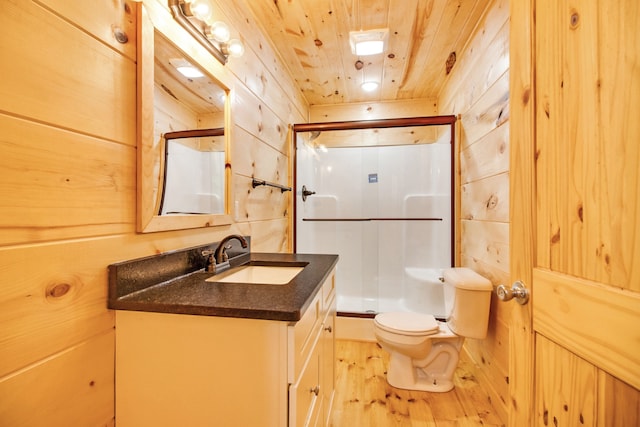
[{"x": 424, "y": 352}]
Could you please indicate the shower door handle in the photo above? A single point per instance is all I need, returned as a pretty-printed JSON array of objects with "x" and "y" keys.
[{"x": 306, "y": 193}]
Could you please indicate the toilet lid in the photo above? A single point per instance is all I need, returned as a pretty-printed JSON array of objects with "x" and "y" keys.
[{"x": 407, "y": 323}]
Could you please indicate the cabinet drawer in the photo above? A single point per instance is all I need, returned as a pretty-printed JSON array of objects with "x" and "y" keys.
[
  {"x": 303, "y": 337},
  {"x": 305, "y": 397}
]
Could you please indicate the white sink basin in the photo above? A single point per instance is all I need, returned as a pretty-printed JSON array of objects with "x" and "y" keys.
[{"x": 258, "y": 274}]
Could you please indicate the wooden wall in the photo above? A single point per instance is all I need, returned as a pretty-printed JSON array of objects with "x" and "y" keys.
[
  {"x": 68, "y": 189},
  {"x": 478, "y": 91}
]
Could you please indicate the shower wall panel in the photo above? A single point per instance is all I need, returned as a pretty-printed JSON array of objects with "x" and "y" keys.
[{"x": 383, "y": 210}]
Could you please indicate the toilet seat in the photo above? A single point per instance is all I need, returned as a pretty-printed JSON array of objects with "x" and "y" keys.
[{"x": 408, "y": 324}]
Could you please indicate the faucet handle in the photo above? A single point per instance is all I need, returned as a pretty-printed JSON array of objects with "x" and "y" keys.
[
  {"x": 225, "y": 255},
  {"x": 211, "y": 262}
]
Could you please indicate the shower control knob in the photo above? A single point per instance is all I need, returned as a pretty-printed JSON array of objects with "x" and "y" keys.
[
  {"x": 518, "y": 291},
  {"x": 306, "y": 193}
]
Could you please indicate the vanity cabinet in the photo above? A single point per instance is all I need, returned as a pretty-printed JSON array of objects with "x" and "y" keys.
[
  {"x": 312, "y": 377},
  {"x": 180, "y": 369}
]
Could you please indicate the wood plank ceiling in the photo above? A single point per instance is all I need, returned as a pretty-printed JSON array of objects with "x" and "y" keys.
[{"x": 312, "y": 36}]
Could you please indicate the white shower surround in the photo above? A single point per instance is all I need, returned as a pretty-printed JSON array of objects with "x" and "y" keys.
[{"x": 384, "y": 265}]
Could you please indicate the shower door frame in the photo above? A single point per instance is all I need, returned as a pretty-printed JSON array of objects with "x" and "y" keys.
[{"x": 449, "y": 120}]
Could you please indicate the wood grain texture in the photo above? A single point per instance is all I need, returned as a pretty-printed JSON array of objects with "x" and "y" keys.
[
  {"x": 585, "y": 300},
  {"x": 48, "y": 194},
  {"x": 478, "y": 90},
  {"x": 68, "y": 191},
  {"x": 372, "y": 110},
  {"x": 313, "y": 40},
  {"x": 488, "y": 242},
  {"x": 486, "y": 156},
  {"x": 72, "y": 387},
  {"x": 571, "y": 311},
  {"x": 567, "y": 391},
  {"x": 261, "y": 68},
  {"x": 120, "y": 35},
  {"x": 67, "y": 78},
  {"x": 480, "y": 64},
  {"x": 520, "y": 405},
  {"x": 487, "y": 199},
  {"x": 364, "y": 398},
  {"x": 618, "y": 402},
  {"x": 587, "y": 146}
]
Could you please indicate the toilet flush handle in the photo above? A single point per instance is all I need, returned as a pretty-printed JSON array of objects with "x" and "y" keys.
[{"x": 518, "y": 291}]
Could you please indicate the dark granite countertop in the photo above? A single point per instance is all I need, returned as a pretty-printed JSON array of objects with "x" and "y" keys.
[{"x": 191, "y": 294}]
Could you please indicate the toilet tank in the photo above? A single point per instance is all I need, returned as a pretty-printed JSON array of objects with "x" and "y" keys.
[{"x": 467, "y": 300}]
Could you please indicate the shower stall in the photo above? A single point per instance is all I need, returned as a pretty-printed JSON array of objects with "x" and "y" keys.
[{"x": 379, "y": 196}]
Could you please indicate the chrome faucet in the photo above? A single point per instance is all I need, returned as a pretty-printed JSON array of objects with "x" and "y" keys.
[{"x": 220, "y": 254}]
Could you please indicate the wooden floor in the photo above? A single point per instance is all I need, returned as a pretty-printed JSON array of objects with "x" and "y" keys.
[{"x": 364, "y": 398}]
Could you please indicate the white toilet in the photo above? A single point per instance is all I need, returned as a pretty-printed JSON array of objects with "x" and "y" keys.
[{"x": 423, "y": 351}]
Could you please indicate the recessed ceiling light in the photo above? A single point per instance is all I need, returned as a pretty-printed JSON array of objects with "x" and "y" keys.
[
  {"x": 368, "y": 42},
  {"x": 185, "y": 68},
  {"x": 369, "y": 86}
]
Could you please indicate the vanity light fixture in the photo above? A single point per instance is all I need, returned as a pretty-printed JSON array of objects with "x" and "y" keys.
[
  {"x": 196, "y": 16},
  {"x": 370, "y": 42}
]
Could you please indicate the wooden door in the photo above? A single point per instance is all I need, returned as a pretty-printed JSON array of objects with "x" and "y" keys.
[{"x": 575, "y": 212}]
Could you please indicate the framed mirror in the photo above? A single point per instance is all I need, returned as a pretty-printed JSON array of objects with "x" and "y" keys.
[{"x": 183, "y": 128}]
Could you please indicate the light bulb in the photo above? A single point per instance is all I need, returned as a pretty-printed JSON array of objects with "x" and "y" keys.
[
  {"x": 220, "y": 31},
  {"x": 201, "y": 9},
  {"x": 235, "y": 48}
]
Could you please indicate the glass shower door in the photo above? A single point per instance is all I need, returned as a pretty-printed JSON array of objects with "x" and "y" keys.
[{"x": 385, "y": 210}]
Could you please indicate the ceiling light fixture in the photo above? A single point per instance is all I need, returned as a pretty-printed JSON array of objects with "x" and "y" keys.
[
  {"x": 370, "y": 42},
  {"x": 195, "y": 16},
  {"x": 369, "y": 86},
  {"x": 185, "y": 68}
]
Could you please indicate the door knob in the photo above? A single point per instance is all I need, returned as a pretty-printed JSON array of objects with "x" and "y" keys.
[{"x": 518, "y": 291}]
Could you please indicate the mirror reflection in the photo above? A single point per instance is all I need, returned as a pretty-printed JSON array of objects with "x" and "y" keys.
[
  {"x": 187, "y": 99},
  {"x": 183, "y": 119},
  {"x": 194, "y": 169}
]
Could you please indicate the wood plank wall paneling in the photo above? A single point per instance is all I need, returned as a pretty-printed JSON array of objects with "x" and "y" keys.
[
  {"x": 65, "y": 76},
  {"x": 261, "y": 69},
  {"x": 60, "y": 184},
  {"x": 482, "y": 61},
  {"x": 72, "y": 388},
  {"x": 478, "y": 91},
  {"x": 68, "y": 193},
  {"x": 120, "y": 35},
  {"x": 259, "y": 120},
  {"x": 372, "y": 110}
]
